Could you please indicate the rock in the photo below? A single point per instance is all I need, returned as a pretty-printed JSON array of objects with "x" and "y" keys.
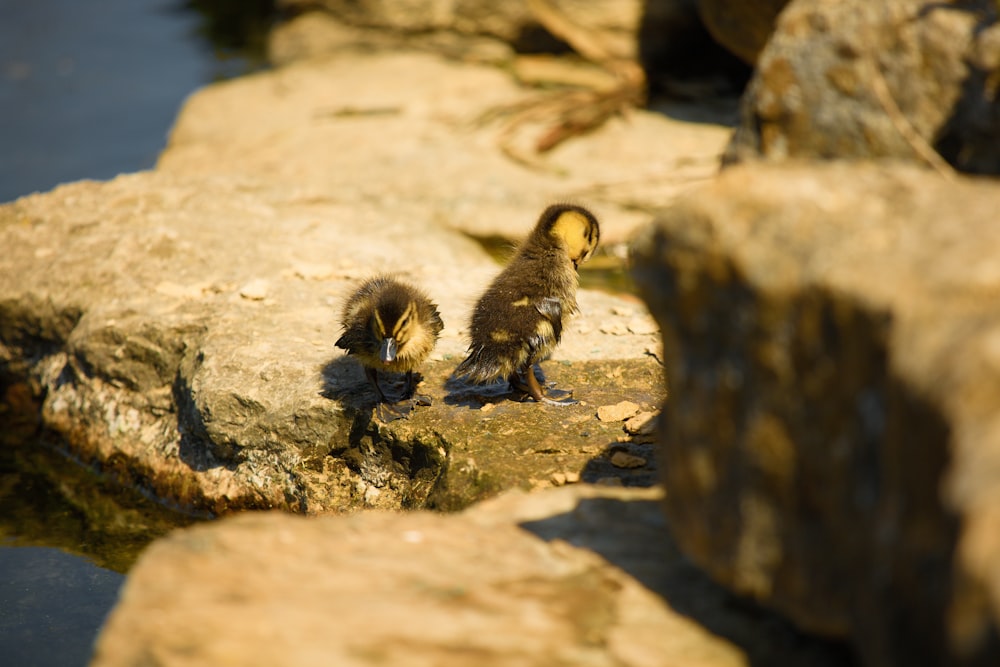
[
  {"x": 643, "y": 426},
  {"x": 616, "y": 23},
  {"x": 317, "y": 33},
  {"x": 899, "y": 79},
  {"x": 618, "y": 412},
  {"x": 576, "y": 575},
  {"x": 255, "y": 290},
  {"x": 830, "y": 342},
  {"x": 622, "y": 459},
  {"x": 678, "y": 56},
  {"x": 742, "y": 27}
]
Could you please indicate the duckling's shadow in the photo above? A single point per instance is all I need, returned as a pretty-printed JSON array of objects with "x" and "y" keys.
[
  {"x": 344, "y": 381},
  {"x": 463, "y": 393}
]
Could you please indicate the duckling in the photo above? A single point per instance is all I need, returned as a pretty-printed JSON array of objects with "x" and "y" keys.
[
  {"x": 390, "y": 326},
  {"x": 518, "y": 321}
]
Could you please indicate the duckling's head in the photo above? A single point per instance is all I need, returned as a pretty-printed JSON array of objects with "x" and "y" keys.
[
  {"x": 404, "y": 323},
  {"x": 391, "y": 323},
  {"x": 573, "y": 228}
]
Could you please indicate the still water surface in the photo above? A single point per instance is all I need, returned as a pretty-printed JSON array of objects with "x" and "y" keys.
[{"x": 88, "y": 89}]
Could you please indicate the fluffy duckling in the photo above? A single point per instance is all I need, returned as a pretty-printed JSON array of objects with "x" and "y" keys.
[
  {"x": 389, "y": 326},
  {"x": 518, "y": 321}
]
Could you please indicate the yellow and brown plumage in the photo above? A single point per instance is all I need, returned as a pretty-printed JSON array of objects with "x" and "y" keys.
[
  {"x": 389, "y": 326},
  {"x": 519, "y": 320}
]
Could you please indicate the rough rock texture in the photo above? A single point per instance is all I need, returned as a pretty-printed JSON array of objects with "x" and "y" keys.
[
  {"x": 859, "y": 79},
  {"x": 740, "y": 26},
  {"x": 573, "y": 576},
  {"x": 49, "y": 500},
  {"x": 832, "y": 444}
]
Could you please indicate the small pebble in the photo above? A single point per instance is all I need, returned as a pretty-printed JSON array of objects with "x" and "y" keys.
[
  {"x": 309, "y": 271},
  {"x": 486, "y": 407},
  {"x": 642, "y": 326},
  {"x": 558, "y": 478},
  {"x": 255, "y": 290},
  {"x": 643, "y": 423},
  {"x": 371, "y": 494},
  {"x": 618, "y": 412},
  {"x": 625, "y": 460}
]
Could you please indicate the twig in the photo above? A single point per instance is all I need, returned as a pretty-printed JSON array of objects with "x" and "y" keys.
[{"x": 906, "y": 130}]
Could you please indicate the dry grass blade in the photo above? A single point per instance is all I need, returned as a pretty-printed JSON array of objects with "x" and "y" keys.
[{"x": 574, "y": 112}]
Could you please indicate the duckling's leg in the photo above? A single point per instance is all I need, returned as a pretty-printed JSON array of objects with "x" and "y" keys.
[
  {"x": 372, "y": 376},
  {"x": 410, "y": 392},
  {"x": 535, "y": 390},
  {"x": 384, "y": 411}
]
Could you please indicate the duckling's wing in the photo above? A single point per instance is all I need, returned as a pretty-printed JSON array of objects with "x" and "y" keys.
[
  {"x": 551, "y": 309},
  {"x": 347, "y": 341},
  {"x": 436, "y": 323},
  {"x": 355, "y": 341}
]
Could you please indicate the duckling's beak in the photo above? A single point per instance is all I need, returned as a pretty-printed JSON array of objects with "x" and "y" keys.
[{"x": 388, "y": 351}]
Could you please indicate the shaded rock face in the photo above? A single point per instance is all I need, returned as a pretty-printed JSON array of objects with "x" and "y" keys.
[
  {"x": 575, "y": 576},
  {"x": 901, "y": 79},
  {"x": 830, "y": 342}
]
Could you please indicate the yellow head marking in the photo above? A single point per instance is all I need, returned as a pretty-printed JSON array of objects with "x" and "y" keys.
[
  {"x": 378, "y": 328},
  {"x": 577, "y": 232},
  {"x": 403, "y": 325}
]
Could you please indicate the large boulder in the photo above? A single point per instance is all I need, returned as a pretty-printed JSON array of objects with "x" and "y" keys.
[
  {"x": 575, "y": 576},
  {"x": 831, "y": 444},
  {"x": 905, "y": 79}
]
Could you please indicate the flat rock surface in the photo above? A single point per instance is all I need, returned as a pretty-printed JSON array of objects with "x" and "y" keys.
[
  {"x": 574, "y": 576},
  {"x": 415, "y": 131}
]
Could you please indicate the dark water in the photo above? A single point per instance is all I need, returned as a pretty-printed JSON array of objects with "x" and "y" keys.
[{"x": 88, "y": 89}]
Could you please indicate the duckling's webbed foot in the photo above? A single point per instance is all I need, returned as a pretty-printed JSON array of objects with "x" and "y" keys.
[
  {"x": 390, "y": 412},
  {"x": 566, "y": 398},
  {"x": 533, "y": 389},
  {"x": 410, "y": 391}
]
